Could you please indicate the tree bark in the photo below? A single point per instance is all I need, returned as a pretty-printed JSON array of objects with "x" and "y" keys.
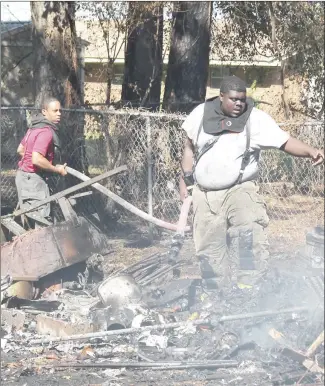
[
  {"x": 56, "y": 72},
  {"x": 55, "y": 47},
  {"x": 143, "y": 58},
  {"x": 188, "y": 66}
]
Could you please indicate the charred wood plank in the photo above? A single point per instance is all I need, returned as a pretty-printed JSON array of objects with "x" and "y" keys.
[
  {"x": 67, "y": 210},
  {"x": 12, "y": 226},
  {"x": 65, "y": 192}
]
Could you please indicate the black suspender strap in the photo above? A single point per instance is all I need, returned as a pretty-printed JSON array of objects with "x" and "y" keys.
[
  {"x": 208, "y": 145},
  {"x": 246, "y": 155}
]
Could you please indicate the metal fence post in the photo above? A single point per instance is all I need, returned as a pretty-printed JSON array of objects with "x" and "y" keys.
[{"x": 150, "y": 183}]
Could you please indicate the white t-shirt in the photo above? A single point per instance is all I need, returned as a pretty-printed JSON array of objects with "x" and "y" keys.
[{"x": 219, "y": 167}]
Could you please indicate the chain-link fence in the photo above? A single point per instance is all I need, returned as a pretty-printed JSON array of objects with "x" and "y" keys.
[{"x": 151, "y": 144}]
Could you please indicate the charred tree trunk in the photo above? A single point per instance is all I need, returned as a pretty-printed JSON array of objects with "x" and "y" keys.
[
  {"x": 143, "y": 59},
  {"x": 55, "y": 47},
  {"x": 56, "y": 72},
  {"x": 188, "y": 66}
]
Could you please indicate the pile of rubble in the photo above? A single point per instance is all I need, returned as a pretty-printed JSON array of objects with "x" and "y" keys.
[{"x": 143, "y": 325}]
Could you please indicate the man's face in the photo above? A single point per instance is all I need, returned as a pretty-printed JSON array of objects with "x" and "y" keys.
[
  {"x": 233, "y": 103},
  {"x": 53, "y": 112}
]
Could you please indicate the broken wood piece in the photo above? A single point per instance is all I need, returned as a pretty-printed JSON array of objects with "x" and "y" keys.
[
  {"x": 63, "y": 193},
  {"x": 125, "y": 204},
  {"x": 24, "y": 278},
  {"x": 298, "y": 355},
  {"x": 312, "y": 366},
  {"x": 60, "y": 328},
  {"x": 313, "y": 347},
  {"x": 287, "y": 350},
  {"x": 67, "y": 210},
  {"x": 12, "y": 226},
  {"x": 82, "y": 194}
]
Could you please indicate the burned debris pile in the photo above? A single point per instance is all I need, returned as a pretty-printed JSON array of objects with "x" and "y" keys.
[
  {"x": 152, "y": 323},
  {"x": 144, "y": 323}
]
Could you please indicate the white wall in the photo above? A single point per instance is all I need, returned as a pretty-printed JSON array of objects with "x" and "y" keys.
[{"x": 15, "y": 11}]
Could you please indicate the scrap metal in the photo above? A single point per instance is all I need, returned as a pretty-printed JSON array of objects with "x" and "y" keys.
[{"x": 43, "y": 251}]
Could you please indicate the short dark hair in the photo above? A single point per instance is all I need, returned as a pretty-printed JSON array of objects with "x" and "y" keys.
[
  {"x": 232, "y": 83},
  {"x": 47, "y": 100}
]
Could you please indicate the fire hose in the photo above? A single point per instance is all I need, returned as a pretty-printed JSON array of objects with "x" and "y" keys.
[
  {"x": 132, "y": 208},
  {"x": 94, "y": 183}
]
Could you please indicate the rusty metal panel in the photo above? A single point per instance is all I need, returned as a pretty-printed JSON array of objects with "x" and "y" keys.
[{"x": 42, "y": 251}]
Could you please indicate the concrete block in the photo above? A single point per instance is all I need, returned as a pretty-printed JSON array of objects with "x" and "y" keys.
[
  {"x": 13, "y": 317},
  {"x": 46, "y": 325}
]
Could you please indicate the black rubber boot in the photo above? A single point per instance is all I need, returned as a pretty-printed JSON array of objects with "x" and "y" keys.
[{"x": 209, "y": 277}]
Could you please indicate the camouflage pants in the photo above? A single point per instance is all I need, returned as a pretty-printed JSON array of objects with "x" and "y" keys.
[{"x": 229, "y": 232}]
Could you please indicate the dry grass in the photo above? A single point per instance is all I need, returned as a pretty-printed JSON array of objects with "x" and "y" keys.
[{"x": 291, "y": 218}]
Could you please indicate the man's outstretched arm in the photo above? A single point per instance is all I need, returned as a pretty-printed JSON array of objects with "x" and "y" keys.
[{"x": 298, "y": 148}]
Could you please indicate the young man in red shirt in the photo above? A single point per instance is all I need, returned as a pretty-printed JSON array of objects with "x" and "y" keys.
[{"x": 37, "y": 150}]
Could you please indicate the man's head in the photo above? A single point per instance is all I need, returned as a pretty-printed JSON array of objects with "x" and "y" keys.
[
  {"x": 51, "y": 109},
  {"x": 233, "y": 96}
]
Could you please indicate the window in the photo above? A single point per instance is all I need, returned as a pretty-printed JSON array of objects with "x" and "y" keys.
[
  {"x": 216, "y": 75},
  {"x": 253, "y": 74},
  {"x": 118, "y": 74},
  {"x": 95, "y": 72}
]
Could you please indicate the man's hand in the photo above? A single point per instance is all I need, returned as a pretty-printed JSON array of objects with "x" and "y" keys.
[
  {"x": 300, "y": 149},
  {"x": 61, "y": 169},
  {"x": 317, "y": 156}
]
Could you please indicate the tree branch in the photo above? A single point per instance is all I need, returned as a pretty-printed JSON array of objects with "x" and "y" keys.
[{"x": 16, "y": 64}]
